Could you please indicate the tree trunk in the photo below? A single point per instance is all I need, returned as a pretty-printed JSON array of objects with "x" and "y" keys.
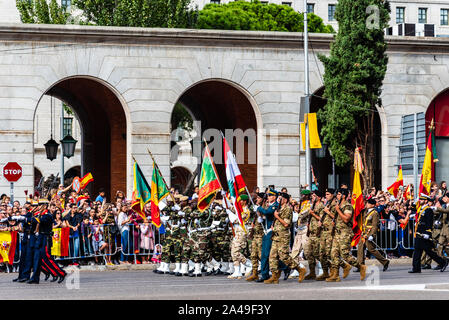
[{"x": 365, "y": 140}]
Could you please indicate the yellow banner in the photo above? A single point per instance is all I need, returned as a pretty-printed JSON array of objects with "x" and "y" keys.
[
  {"x": 314, "y": 137},
  {"x": 303, "y": 135}
]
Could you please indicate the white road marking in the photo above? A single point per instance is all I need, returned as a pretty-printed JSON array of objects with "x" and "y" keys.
[{"x": 396, "y": 287}]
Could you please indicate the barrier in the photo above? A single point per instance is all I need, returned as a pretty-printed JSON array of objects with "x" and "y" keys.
[{"x": 407, "y": 240}]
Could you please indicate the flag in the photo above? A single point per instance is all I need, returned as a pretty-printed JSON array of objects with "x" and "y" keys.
[
  {"x": 8, "y": 241},
  {"x": 158, "y": 192},
  {"x": 141, "y": 191},
  {"x": 235, "y": 181},
  {"x": 88, "y": 178},
  {"x": 394, "y": 188},
  {"x": 426, "y": 174},
  {"x": 314, "y": 137},
  {"x": 408, "y": 193},
  {"x": 209, "y": 183},
  {"x": 60, "y": 241},
  {"x": 357, "y": 199}
]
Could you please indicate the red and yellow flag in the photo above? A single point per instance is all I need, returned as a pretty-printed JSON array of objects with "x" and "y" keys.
[
  {"x": 408, "y": 195},
  {"x": 88, "y": 178},
  {"x": 357, "y": 199},
  {"x": 426, "y": 174},
  {"x": 60, "y": 241},
  {"x": 394, "y": 188},
  {"x": 159, "y": 191},
  {"x": 8, "y": 241}
]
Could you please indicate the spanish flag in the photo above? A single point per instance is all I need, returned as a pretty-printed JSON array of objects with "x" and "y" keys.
[
  {"x": 394, "y": 188},
  {"x": 88, "y": 178},
  {"x": 408, "y": 193},
  {"x": 357, "y": 199},
  {"x": 8, "y": 240},
  {"x": 159, "y": 191},
  {"x": 60, "y": 241},
  {"x": 426, "y": 174}
]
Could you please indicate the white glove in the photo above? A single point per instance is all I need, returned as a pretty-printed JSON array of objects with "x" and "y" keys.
[
  {"x": 164, "y": 218},
  {"x": 426, "y": 236},
  {"x": 181, "y": 213},
  {"x": 259, "y": 219},
  {"x": 255, "y": 207},
  {"x": 227, "y": 220},
  {"x": 183, "y": 221},
  {"x": 196, "y": 221},
  {"x": 216, "y": 223},
  {"x": 176, "y": 207},
  {"x": 370, "y": 238},
  {"x": 218, "y": 208},
  {"x": 412, "y": 216},
  {"x": 18, "y": 218}
]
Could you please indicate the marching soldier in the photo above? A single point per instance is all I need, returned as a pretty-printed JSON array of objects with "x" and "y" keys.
[
  {"x": 179, "y": 232},
  {"x": 301, "y": 237},
  {"x": 444, "y": 236},
  {"x": 341, "y": 244},
  {"x": 281, "y": 242},
  {"x": 370, "y": 225},
  {"x": 167, "y": 243},
  {"x": 326, "y": 226},
  {"x": 423, "y": 236},
  {"x": 217, "y": 239},
  {"x": 312, "y": 248},
  {"x": 256, "y": 237}
]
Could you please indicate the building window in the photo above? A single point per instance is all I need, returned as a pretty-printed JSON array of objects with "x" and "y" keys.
[
  {"x": 444, "y": 17},
  {"x": 287, "y": 3},
  {"x": 400, "y": 13},
  {"x": 422, "y": 15},
  {"x": 68, "y": 126},
  {"x": 215, "y": 1},
  {"x": 331, "y": 12},
  {"x": 66, "y": 4},
  {"x": 264, "y": 2},
  {"x": 310, "y": 8}
]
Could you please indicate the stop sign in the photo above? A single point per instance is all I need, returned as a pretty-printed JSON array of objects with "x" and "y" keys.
[{"x": 12, "y": 171}]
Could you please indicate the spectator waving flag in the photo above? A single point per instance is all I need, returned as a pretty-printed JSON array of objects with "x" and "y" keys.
[
  {"x": 357, "y": 198},
  {"x": 8, "y": 240},
  {"x": 209, "y": 182},
  {"x": 394, "y": 188},
  {"x": 236, "y": 184},
  {"x": 88, "y": 178},
  {"x": 141, "y": 191},
  {"x": 159, "y": 191}
]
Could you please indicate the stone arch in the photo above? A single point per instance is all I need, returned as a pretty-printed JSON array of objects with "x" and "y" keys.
[{"x": 105, "y": 123}]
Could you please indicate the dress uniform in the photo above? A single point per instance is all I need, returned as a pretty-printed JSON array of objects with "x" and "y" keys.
[
  {"x": 281, "y": 243},
  {"x": 341, "y": 244},
  {"x": 24, "y": 245},
  {"x": 370, "y": 225},
  {"x": 423, "y": 233}
]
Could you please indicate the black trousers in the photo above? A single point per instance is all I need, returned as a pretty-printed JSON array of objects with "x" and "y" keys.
[{"x": 427, "y": 246}]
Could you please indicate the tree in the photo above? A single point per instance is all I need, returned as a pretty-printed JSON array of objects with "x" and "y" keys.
[
  {"x": 353, "y": 78},
  {"x": 39, "y": 11},
  {"x": 244, "y": 15}
]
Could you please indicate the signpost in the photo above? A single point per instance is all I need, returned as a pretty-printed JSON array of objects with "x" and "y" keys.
[{"x": 12, "y": 171}]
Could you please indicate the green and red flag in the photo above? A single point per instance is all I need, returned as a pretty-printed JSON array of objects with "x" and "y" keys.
[
  {"x": 209, "y": 182},
  {"x": 141, "y": 191},
  {"x": 357, "y": 199},
  {"x": 159, "y": 191}
]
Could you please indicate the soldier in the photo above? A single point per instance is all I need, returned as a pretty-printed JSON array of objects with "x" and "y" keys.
[
  {"x": 422, "y": 235},
  {"x": 187, "y": 245},
  {"x": 257, "y": 233},
  {"x": 326, "y": 234},
  {"x": 218, "y": 233},
  {"x": 195, "y": 243},
  {"x": 443, "y": 240},
  {"x": 179, "y": 232},
  {"x": 301, "y": 237},
  {"x": 370, "y": 225},
  {"x": 341, "y": 244},
  {"x": 312, "y": 248},
  {"x": 239, "y": 242},
  {"x": 281, "y": 242},
  {"x": 167, "y": 243}
]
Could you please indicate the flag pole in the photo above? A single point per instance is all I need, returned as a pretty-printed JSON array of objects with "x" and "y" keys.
[{"x": 160, "y": 173}]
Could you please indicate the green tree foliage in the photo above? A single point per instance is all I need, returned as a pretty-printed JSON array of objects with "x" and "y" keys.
[
  {"x": 244, "y": 15},
  {"x": 139, "y": 13},
  {"x": 353, "y": 78},
  {"x": 181, "y": 118},
  {"x": 40, "y": 11}
]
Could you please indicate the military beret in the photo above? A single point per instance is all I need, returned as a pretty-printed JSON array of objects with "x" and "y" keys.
[
  {"x": 319, "y": 193},
  {"x": 243, "y": 197},
  {"x": 372, "y": 201},
  {"x": 284, "y": 195},
  {"x": 272, "y": 192},
  {"x": 184, "y": 198},
  {"x": 177, "y": 196},
  {"x": 306, "y": 192},
  {"x": 218, "y": 201},
  {"x": 260, "y": 194},
  {"x": 343, "y": 191},
  {"x": 330, "y": 190}
]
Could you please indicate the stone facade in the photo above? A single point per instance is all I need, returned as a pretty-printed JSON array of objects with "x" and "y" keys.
[{"x": 149, "y": 69}]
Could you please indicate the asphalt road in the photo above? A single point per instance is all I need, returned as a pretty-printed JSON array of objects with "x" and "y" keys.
[{"x": 396, "y": 283}]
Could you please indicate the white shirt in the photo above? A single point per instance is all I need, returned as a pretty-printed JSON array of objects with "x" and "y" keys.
[{"x": 122, "y": 217}]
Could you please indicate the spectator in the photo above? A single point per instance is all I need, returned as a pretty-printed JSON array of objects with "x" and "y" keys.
[
  {"x": 74, "y": 221},
  {"x": 123, "y": 221},
  {"x": 101, "y": 196},
  {"x": 96, "y": 235},
  {"x": 146, "y": 240}
]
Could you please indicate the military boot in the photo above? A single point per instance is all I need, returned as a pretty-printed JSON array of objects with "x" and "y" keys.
[
  {"x": 302, "y": 273},
  {"x": 362, "y": 272},
  {"x": 253, "y": 276},
  {"x": 274, "y": 278},
  {"x": 312, "y": 274},
  {"x": 346, "y": 269},
  {"x": 324, "y": 276},
  {"x": 334, "y": 276}
]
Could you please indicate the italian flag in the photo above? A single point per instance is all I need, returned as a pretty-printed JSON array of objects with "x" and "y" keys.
[
  {"x": 60, "y": 241},
  {"x": 394, "y": 188},
  {"x": 357, "y": 199},
  {"x": 235, "y": 181},
  {"x": 209, "y": 182},
  {"x": 8, "y": 240}
]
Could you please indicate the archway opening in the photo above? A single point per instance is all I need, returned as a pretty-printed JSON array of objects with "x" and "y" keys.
[
  {"x": 103, "y": 129},
  {"x": 438, "y": 110},
  {"x": 331, "y": 175},
  {"x": 219, "y": 105}
]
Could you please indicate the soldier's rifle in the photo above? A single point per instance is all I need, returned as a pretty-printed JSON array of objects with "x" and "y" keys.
[
  {"x": 312, "y": 208},
  {"x": 320, "y": 227}
]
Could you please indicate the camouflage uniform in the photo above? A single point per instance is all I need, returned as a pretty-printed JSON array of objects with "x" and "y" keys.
[
  {"x": 341, "y": 244},
  {"x": 186, "y": 244},
  {"x": 281, "y": 241},
  {"x": 301, "y": 238},
  {"x": 256, "y": 243},
  {"x": 167, "y": 243},
  {"x": 188, "y": 251},
  {"x": 443, "y": 239},
  {"x": 176, "y": 235},
  {"x": 239, "y": 243},
  {"x": 201, "y": 247},
  {"x": 312, "y": 249},
  {"x": 326, "y": 236},
  {"x": 219, "y": 246}
]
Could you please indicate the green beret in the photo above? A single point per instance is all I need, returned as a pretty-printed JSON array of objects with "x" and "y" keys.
[
  {"x": 306, "y": 192},
  {"x": 243, "y": 197}
]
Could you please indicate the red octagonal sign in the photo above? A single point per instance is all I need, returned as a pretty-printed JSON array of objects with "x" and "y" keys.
[{"x": 12, "y": 171}]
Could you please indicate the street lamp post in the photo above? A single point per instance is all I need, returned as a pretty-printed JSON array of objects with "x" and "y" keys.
[
  {"x": 62, "y": 135},
  {"x": 307, "y": 101}
]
